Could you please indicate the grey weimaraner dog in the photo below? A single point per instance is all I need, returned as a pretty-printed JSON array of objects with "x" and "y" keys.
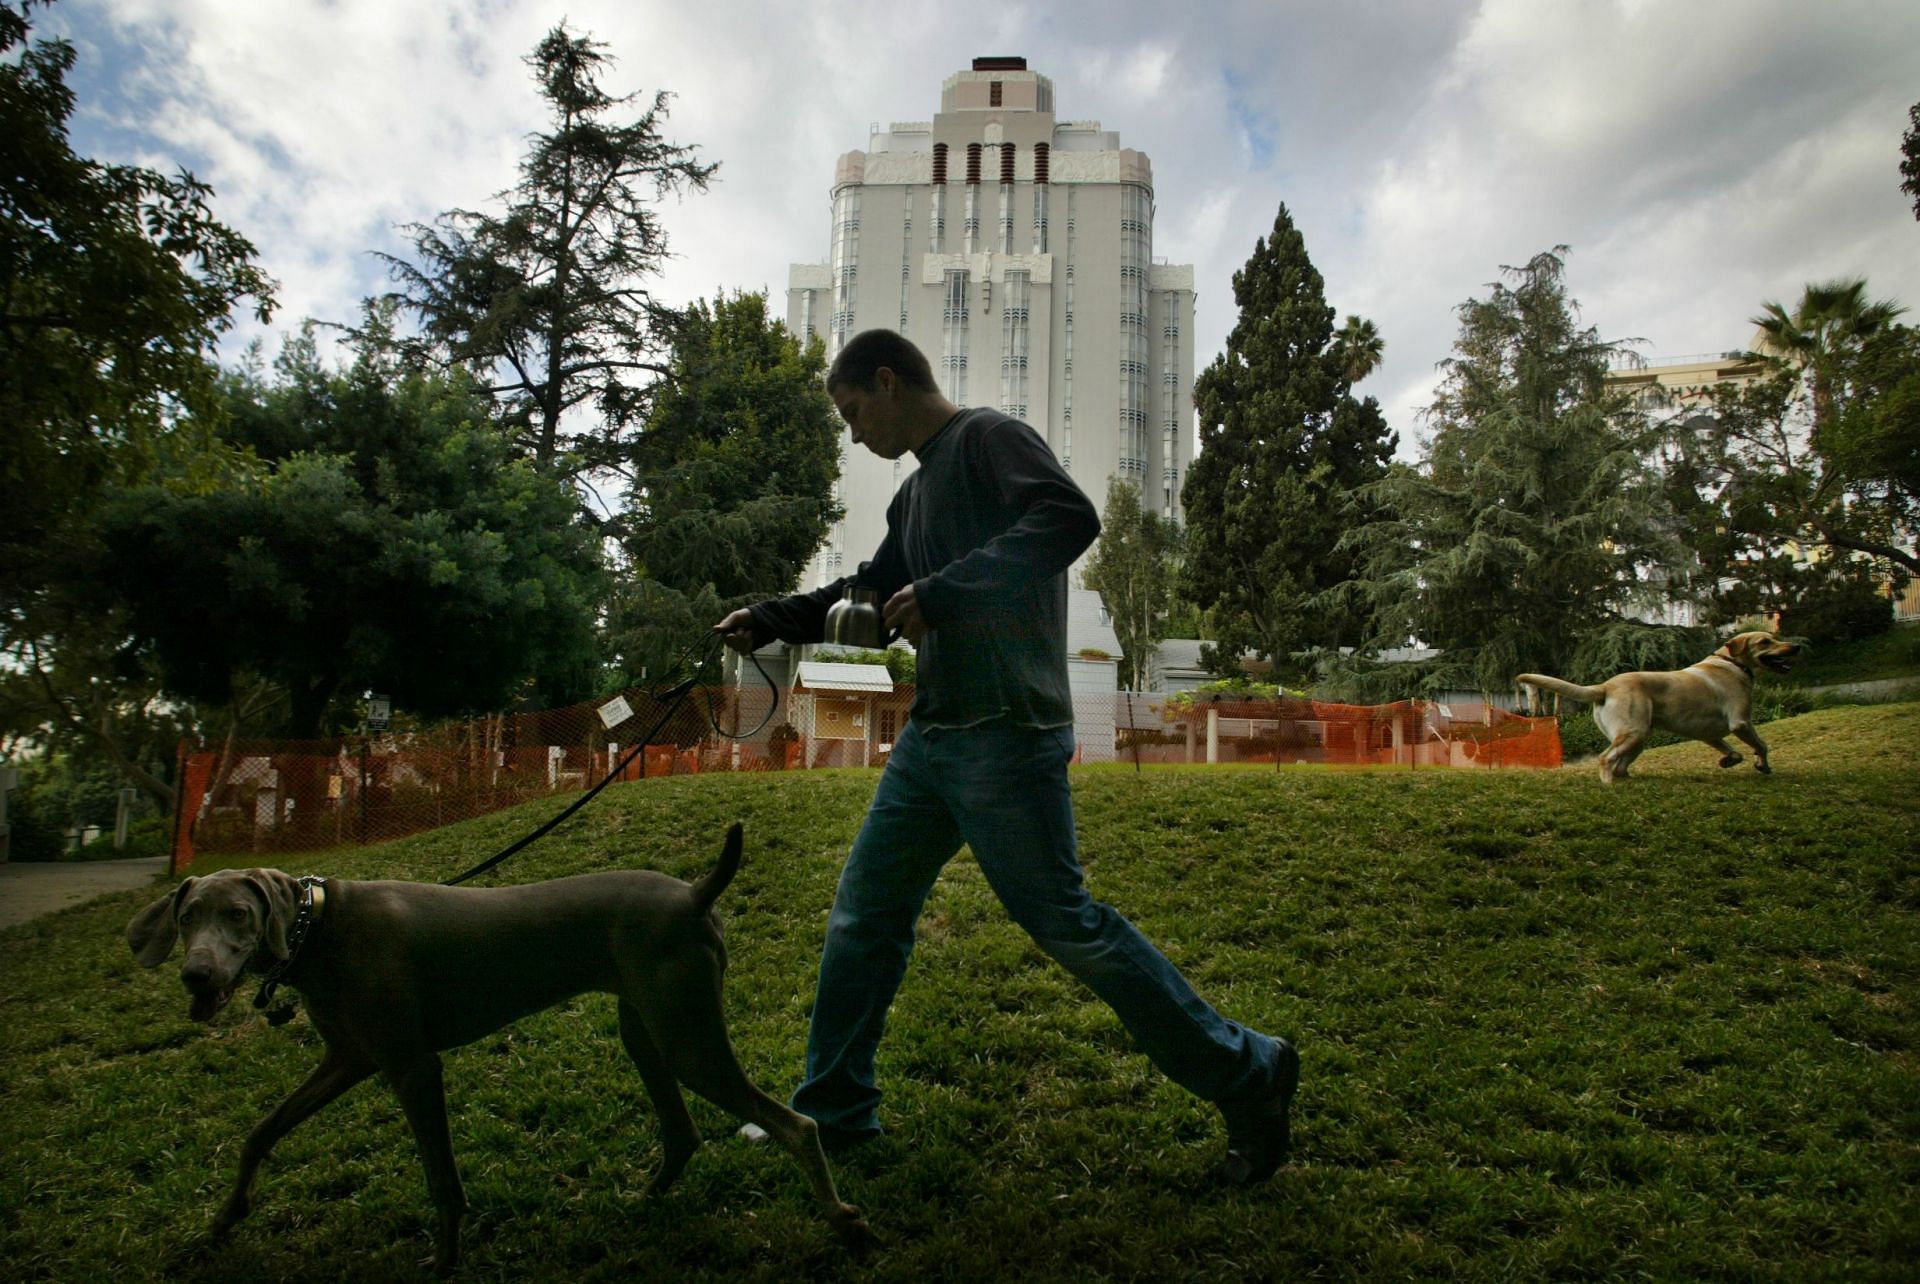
[{"x": 395, "y": 973}]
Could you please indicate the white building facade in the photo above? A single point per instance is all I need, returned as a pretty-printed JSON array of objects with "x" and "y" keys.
[{"x": 1016, "y": 250}]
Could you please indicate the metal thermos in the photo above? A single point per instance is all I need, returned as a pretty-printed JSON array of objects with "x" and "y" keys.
[{"x": 855, "y": 620}]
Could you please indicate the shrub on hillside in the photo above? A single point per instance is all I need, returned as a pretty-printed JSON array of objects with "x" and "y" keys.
[
  {"x": 148, "y": 836},
  {"x": 1839, "y": 608},
  {"x": 36, "y": 830}
]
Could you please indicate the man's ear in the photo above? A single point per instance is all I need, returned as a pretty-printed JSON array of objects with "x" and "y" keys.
[{"x": 884, "y": 382}]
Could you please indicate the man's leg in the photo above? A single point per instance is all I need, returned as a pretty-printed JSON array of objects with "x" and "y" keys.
[
  {"x": 908, "y": 836},
  {"x": 1009, "y": 788}
]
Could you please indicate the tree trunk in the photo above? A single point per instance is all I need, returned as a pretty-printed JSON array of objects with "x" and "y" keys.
[
  {"x": 310, "y": 700},
  {"x": 1874, "y": 548},
  {"x": 136, "y": 775}
]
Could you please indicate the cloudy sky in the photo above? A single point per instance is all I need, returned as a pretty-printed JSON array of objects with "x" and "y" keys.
[{"x": 1698, "y": 156}]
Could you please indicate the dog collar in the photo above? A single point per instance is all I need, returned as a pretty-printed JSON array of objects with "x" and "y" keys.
[
  {"x": 1738, "y": 667},
  {"x": 313, "y": 901}
]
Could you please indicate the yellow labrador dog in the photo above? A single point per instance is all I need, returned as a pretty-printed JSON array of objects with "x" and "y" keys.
[{"x": 1708, "y": 701}]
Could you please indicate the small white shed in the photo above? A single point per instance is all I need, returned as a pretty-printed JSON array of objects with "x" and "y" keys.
[{"x": 847, "y": 712}]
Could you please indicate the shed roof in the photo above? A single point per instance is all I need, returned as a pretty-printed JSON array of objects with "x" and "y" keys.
[
  {"x": 827, "y": 675},
  {"x": 1180, "y": 653},
  {"x": 1088, "y": 627}
]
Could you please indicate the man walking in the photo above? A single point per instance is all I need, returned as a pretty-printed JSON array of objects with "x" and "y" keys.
[{"x": 973, "y": 573}]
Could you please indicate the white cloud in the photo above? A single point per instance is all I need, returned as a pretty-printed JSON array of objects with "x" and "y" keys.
[{"x": 1699, "y": 158}]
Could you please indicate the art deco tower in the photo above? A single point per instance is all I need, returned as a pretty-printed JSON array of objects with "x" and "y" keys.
[{"x": 1016, "y": 249}]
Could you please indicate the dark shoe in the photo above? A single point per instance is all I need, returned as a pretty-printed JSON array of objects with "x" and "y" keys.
[{"x": 1259, "y": 1127}]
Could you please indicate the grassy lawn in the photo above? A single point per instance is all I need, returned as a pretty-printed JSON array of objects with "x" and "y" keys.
[{"x": 1550, "y": 1030}]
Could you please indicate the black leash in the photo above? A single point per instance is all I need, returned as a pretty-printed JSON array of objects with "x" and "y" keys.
[{"x": 676, "y": 696}]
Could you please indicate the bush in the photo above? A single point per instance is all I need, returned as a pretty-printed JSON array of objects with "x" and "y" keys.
[
  {"x": 57, "y": 795},
  {"x": 899, "y": 660},
  {"x": 1180, "y": 703},
  {"x": 1579, "y": 734},
  {"x": 37, "y": 831},
  {"x": 1839, "y": 608},
  {"x": 148, "y": 836},
  {"x": 1771, "y": 703}
]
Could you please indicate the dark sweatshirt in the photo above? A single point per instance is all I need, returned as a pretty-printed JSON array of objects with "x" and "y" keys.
[{"x": 984, "y": 529}]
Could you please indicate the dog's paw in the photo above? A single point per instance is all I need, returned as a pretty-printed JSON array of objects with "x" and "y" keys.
[
  {"x": 231, "y": 1214},
  {"x": 1733, "y": 760},
  {"x": 1763, "y": 768},
  {"x": 443, "y": 1261},
  {"x": 852, "y": 1229}
]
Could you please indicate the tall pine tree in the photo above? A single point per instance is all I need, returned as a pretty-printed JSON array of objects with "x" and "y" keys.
[
  {"x": 1535, "y": 528},
  {"x": 548, "y": 302},
  {"x": 1283, "y": 446}
]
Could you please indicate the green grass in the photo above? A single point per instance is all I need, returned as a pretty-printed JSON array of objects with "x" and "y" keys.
[{"x": 1550, "y": 1030}]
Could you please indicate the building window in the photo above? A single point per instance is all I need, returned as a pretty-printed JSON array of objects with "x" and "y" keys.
[
  {"x": 846, "y": 253},
  {"x": 1014, "y": 310},
  {"x": 906, "y": 260},
  {"x": 1136, "y": 254},
  {"x": 1066, "y": 367},
  {"x": 953, "y": 354},
  {"x": 993, "y": 94},
  {"x": 1040, "y": 161},
  {"x": 1170, "y": 381}
]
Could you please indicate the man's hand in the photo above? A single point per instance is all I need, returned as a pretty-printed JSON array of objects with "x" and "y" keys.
[
  {"x": 737, "y": 630},
  {"x": 903, "y": 612}
]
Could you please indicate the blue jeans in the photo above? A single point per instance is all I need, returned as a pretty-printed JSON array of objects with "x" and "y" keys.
[{"x": 1002, "y": 790}]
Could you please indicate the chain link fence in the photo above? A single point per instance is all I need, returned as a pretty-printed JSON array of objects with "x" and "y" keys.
[
  {"x": 271, "y": 796},
  {"x": 265, "y": 796},
  {"x": 1155, "y": 729}
]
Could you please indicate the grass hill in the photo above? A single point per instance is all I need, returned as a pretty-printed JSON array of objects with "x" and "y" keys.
[{"x": 1549, "y": 1029}]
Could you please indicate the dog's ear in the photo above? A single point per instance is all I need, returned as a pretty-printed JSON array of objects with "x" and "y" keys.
[
  {"x": 281, "y": 894},
  {"x": 151, "y": 933}
]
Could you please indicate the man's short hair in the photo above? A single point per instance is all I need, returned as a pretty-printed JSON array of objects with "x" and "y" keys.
[{"x": 869, "y": 350}]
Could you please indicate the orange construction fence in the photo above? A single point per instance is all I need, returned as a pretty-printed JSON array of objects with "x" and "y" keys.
[
  {"x": 1295, "y": 730},
  {"x": 262, "y": 796},
  {"x": 291, "y": 795}
]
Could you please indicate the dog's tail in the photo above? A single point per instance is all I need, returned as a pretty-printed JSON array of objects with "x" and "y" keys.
[
  {"x": 1571, "y": 690},
  {"x": 708, "y": 889}
]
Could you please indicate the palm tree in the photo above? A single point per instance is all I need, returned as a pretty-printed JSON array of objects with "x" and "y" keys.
[
  {"x": 1832, "y": 319},
  {"x": 1358, "y": 347}
]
